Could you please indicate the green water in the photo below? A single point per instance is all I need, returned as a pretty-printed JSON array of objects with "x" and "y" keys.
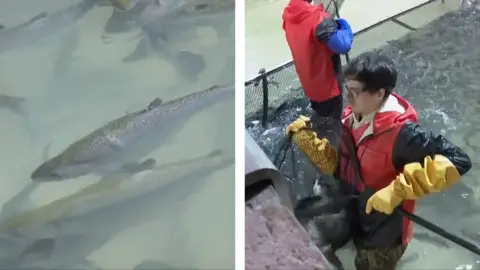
[{"x": 75, "y": 82}]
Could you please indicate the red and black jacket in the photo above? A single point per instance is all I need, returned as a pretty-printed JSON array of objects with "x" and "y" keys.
[{"x": 383, "y": 147}]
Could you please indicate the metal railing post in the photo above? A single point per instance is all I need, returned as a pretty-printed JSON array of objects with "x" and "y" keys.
[{"x": 264, "y": 79}]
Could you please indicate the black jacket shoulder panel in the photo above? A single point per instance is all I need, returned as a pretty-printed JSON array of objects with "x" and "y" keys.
[
  {"x": 413, "y": 144},
  {"x": 325, "y": 30}
]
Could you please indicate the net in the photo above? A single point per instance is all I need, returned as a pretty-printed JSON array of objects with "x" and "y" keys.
[{"x": 327, "y": 209}]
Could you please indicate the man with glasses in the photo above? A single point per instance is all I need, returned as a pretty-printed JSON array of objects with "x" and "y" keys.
[
  {"x": 316, "y": 42},
  {"x": 399, "y": 161}
]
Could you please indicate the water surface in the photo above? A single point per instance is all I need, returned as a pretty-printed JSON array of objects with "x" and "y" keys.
[{"x": 74, "y": 82}]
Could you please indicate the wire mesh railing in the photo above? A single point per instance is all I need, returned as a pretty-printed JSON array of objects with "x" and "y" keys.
[{"x": 266, "y": 93}]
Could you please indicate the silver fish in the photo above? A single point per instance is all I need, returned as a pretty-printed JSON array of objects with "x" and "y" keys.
[
  {"x": 160, "y": 20},
  {"x": 177, "y": 12},
  {"x": 42, "y": 26},
  {"x": 119, "y": 145},
  {"x": 14, "y": 104},
  {"x": 82, "y": 219},
  {"x": 151, "y": 264},
  {"x": 64, "y": 58}
]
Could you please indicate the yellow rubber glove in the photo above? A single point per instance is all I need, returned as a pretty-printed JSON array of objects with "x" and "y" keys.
[
  {"x": 319, "y": 151},
  {"x": 301, "y": 123},
  {"x": 415, "y": 182}
]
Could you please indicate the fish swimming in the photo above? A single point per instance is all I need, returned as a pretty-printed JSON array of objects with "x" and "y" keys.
[
  {"x": 98, "y": 204},
  {"x": 64, "y": 58},
  {"x": 127, "y": 20},
  {"x": 14, "y": 104},
  {"x": 152, "y": 264},
  {"x": 185, "y": 12},
  {"x": 220, "y": 15},
  {"x": 119, "y": 145},
  {"x": 17, "y": 106},
  {"x": 160, "y": 20},
  {"x": 187, "y": 64},
  {"x": 42, "y": 26}
]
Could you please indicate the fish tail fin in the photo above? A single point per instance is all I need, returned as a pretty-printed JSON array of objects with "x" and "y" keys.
[
  {"x": 141, "y": 52},
  {"x": 18, "y": 202},
  {"x": 189, "y": 64}
]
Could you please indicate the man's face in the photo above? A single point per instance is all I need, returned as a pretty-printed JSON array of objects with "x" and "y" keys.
[{"x": 362, "y": 101}]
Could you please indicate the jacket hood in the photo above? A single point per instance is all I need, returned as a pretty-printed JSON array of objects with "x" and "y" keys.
[
  {"x": 298, "y": 10},
  {"x": 395, "y": 111}
]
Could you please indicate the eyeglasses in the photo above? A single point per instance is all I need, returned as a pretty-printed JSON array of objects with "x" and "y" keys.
[{"x": 355, "y": 92}]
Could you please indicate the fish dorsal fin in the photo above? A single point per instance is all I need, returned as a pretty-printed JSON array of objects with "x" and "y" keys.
[{"x": 155, "y": 103}]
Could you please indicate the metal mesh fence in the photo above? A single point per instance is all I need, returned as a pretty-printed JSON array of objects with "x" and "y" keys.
[{"x": 266, "y": 94}]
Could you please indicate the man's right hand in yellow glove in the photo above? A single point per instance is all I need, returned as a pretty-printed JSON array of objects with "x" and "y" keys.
[
  {"x": 415, "y": 182},
  {"x": 319, "y": 151}
]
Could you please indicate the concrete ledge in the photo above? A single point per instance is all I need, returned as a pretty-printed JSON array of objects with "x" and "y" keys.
[{"x": 275, "y": 240}]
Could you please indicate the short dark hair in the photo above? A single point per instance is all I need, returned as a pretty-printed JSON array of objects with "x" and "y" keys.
[{"x": 374, "y": 70}]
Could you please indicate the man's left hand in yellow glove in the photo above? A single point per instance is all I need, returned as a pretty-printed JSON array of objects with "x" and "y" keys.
[
  {"x": 420, "y": 174},
  {"x": 415, "y": 182}
]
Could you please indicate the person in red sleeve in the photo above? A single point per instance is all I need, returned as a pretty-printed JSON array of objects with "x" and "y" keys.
[
  {"x": 399, "y": 161},
  {"x": 316, "y": 42}
]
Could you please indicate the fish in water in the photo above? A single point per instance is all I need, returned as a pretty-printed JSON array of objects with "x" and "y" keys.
[
  {"x": 160, "y": 20},
  {"x": 220, "y": 15},
  {"x": 17, "y": 106},
  {"x": 39, "y": 249},
  {"x": 119, "y": 145},
  {"x": 64, "y": 57},
  {"x": 190, "y": 14},
  {"x": 145, "y": 11},
  {"x": 187, "y": 64},
  {"x": 122, "y": 21},
  {"x": 99, "y": 203},
  {"x": 151, "y": 264},
  {"x": 43, "y": 26},
  {"x": 14, "y": 104}
]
